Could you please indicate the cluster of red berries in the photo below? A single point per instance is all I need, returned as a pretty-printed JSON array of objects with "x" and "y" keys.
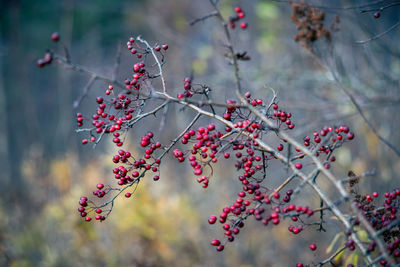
[
  {"x": 48, "y": 57},
  {"x": 206, "y": 144},
  {"x": 130, "y": 172},
  {"x": 148, "y": 162},
  {"x": 382, "y": 218},
  {"x": 114, "y": 115},
  {"x": 253, "y": 102},
  {"x": 46, "y": 60},
  {"x": 249, "y": 203},
  {"x": 282, "y": 117},
  {"x": 105, "y": 121},
  {"x": 239, "y": 16},
  {"x": 137, "y": 50},
  {"x": 190, "y": 90},
  {"x": 84, "y": 205},
  {"x": 139, "y": 71},
  {"x": 336, "y": 134}
]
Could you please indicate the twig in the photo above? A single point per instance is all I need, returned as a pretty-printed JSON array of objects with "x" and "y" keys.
[
  {"x": 163, "y": 118},
  {"x": 206, "y": 16},
  {"x": 157, "y": 61},
  {"x": 319, "y": 166},
  {"x": 380, "y": 8},
  {"x": 330, "y": 259},
  {"x": 332, "y": 7},
  {"x": 83, "y": 69},
  {"x": 67, "y": 54},
  {"x": 117, "y": 62},
  {"x": 85, "y": 92},
  {"x": 180, "y": 136},
  {"x": 141, "y": 116},
  {"x": 365, "y": 174},
  {"x": 380, "y": 34},
  {"x": 390, "y": 226},
  {"x": 354, "y": 101},
  {"x": 230, "y": 47}
]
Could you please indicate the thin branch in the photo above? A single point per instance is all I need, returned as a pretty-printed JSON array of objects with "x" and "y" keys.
[
  {"x": 390, "y": 226},
  {"x": 141, "y": 116},
  {"x": 180, "y": 136},
  {"x": 230, "y": 47},
  {"x": 163, "y": 119},
  {"x": 380, "y": 8},
  {"x": 157, "y": 61},
  {"x": 354, "y": 101},
  {"x": 85, "y": 92},
  {"x": 67, "y": 54},
  {"x": 394, "y": 26},
  {"x": 332, "y": 7},
  {"x": 80, "y": 68},
  {"x": 117, "y": 62},
  {"x": 365, "y": 174},
  {"x": 203, "y": 18},
  {"x": 319, "y": 165},
  {"x": 330, "y": 259}
]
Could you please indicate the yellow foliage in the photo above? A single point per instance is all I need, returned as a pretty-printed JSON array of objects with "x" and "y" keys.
[
  {"x": 338, "y": 237},
  {"x": 372, "y": 142},
  {"x": 60, "y": 174}
]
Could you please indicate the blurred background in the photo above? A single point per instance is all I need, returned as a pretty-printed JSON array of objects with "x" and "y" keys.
[{"x": 45, "y": 169}]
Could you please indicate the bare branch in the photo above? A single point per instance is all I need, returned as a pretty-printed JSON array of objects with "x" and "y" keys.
[
  {"x": 157, "y": 61},
  {"x": 117, "y": 62},
  {"x": 203, "y": 18},
  {"x": 394, "y": 26},
  {"x": 357, "y": 106},
  {"x": 85, "y": 92}
]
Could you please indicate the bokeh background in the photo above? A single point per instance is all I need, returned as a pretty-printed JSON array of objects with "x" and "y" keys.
[{"x": 44, "y": 169}]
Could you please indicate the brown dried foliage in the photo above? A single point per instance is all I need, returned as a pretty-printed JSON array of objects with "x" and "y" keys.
[{"x": 310, "y": 24}]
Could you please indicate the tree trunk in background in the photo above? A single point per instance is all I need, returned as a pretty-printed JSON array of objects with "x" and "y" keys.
[
  {"x": 62, "y": 135},
  {"x": 4, "y": 154}
]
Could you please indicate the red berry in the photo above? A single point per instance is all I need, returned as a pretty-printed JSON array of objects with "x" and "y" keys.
[
  {"x": 298, "y": 166},
  {"x": 41, "y": 63},
  {"x": 313, "y": 246},
  {"x": 100, "y": 186},
  {"x": 377, "y": 15},
  {"x": 243, "y": 25},
  {"x": 212, "y": 219},
  {"x": 350, "y": 136},
  {"x": 164, "y": 46},
  {"x": 128, "y": 195},
  {"x": 238, "y": 9},
  {"x": 215, "y": 242},
  {"x": 55, "y": 37}
]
